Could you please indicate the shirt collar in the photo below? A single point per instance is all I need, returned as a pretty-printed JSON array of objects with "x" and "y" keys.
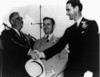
[
  {"x": 79, "y": 20},
  {"x": 50, "y": 35},
  {"x": 16, "y": 31}
]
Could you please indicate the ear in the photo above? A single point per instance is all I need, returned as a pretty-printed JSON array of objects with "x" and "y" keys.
[
  {"x": 11, "y": 22},
  {"x": 76, "y": 8},
  {"x": 53, "y": 27}
]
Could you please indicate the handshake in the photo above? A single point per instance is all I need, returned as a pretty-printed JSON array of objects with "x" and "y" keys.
[{"x": 35, "y": 54}]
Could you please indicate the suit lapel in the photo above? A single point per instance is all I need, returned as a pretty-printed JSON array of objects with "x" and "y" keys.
[
  {"x": 46, "y": 44},
  {"x": 22, "y": 37},
  {"x": 74, "y": 27},
  {"x": 15, "y": 34},
  {"x": 17, "y": 38},
  {"x": 81, "y": 26},
  {"x": 83, "y": 20}
]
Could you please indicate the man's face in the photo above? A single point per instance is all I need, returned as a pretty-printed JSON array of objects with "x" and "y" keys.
[
  {"x": 48, "y": 26},
  {"x": 17, "y": 21},
  {"x": 70, "y": 11}
]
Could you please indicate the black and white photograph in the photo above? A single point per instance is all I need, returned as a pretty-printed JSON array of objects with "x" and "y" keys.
[{"x": 49, "y": 38}]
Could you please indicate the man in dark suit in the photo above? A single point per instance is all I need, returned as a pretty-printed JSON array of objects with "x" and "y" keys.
[
  {"x": 16, "y": 45},
  {"x": 83, "y": 41}
]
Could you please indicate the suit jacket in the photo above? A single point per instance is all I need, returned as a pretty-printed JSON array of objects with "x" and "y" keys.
[
  {"x": 44, "y": 44},
  {"x": 83, "y": 45},
  {"x": 15, "y": 54}
]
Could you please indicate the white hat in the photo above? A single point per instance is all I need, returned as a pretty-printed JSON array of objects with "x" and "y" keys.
[{"x": 35, "y": 68}]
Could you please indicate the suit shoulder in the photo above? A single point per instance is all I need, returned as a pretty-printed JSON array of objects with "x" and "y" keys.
[
  {"x": 92, "y": 24},
  {"x": 70, "y": 28},
  {"x": 89, "y": 20},
  {"x": 5, "y": 32}
]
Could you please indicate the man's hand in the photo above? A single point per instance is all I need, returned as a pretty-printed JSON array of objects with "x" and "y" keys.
[{"x": 33, "y": 54}]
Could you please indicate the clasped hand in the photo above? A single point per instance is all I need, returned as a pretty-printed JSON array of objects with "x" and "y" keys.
[{"x": 33, "y": 54}]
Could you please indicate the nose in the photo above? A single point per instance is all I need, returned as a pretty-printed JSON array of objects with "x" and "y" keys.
[{"x": 21, "y": 19}]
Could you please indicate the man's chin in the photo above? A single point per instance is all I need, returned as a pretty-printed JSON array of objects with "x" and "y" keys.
[
  {"x": 70, "y": 18},
  {"x": 47, "y": 33}
]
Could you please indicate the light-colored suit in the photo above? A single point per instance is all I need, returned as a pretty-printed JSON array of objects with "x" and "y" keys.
[
  {"x": 43, "y": 44},
  {"x": 56, "y": 63}
]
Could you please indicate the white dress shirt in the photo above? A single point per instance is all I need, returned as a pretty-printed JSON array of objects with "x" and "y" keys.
[
  {"x": 49, "y": 36},
  {"x": 17, "y": 31},
  {"x": 79, "y": 20}
]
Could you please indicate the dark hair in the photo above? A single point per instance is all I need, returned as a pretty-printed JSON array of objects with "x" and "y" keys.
[
  {"x": 75, "y": 3},
  {"x": 52, "y": 20},
  {"x": 12, "y": 15}
]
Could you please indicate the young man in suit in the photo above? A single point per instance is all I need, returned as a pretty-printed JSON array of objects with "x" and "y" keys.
[
  {"x": 83, "y": 41},
  {"x": 16, "y": 45},
  {"x": 48, "y": 39},
  {"x": 58, "y": 60}
]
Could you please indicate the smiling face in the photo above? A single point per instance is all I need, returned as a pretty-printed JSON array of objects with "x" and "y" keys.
[
  {"x": 70, "y": 11},
  {"x": 48, "y": 27}
]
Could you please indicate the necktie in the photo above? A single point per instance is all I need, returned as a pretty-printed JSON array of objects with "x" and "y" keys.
[
  {"x": 22, "y": 36},
  {"x": 80, "y": 25},
  {"x": 47, "y": 38}
]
